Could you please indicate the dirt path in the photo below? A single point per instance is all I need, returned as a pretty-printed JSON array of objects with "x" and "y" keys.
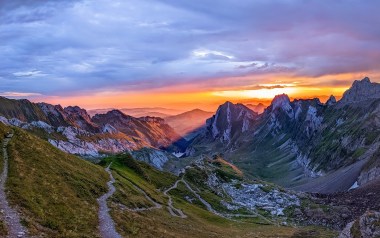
[
  {"x": 172, "y": 210},
  {"x": 208, "y": 205},
  {"x": 12, "y": 218},
  {"x": 106, "y": 224}
]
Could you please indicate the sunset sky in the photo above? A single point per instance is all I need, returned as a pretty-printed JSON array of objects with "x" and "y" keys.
[{"x": 184, "y": 54}]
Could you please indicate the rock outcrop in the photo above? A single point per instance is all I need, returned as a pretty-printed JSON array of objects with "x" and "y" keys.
[
  {"x": 367, "y": 226},
  {"x": 331, "y": 101},
  {"x": 361, "y": 90}
]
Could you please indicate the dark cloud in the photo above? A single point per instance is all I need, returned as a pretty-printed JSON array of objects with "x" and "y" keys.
[{"x": 56, "y": 47}]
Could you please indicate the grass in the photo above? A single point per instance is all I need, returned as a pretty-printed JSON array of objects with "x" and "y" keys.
[
  {"x": 159, "y": 223},
  {"x": 359, "y": 152},
  {"x": 56, "y": 196},
  {"x": 55, "y": 192}
]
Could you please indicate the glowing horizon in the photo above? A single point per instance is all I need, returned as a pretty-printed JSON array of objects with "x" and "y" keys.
[
  {"x": 184, "y": 54},
  {"x": 205, "y": 100}
]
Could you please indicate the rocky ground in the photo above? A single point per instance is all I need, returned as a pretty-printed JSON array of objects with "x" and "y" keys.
[{"x": 358, "y": 200}]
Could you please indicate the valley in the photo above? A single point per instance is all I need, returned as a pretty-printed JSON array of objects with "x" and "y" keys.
[{"x": 241, "y": 173}]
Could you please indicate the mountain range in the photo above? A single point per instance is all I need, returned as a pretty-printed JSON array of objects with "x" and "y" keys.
[
  {"x": 219, "y": 159},
  {"x": 297, "y": 143}
]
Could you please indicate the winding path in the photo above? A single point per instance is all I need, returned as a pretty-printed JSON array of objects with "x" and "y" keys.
[
  {"x": 212, "y": 210},
  {"x": 106, "y": 224},
  {"x": 208, "y": 205},
  {"x": 12, "y": 218},
  {"x": 172, "y": 210}
]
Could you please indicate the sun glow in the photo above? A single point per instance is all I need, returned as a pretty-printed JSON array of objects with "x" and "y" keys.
[{"x": 259, "y": 93}]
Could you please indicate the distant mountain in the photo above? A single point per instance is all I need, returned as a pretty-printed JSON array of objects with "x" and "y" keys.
[
  {"x": 140, "y": 112},
  {"x": 152, "y": 130},
  {"x": 73, "y": 130},
  {"x": 259, "y": 108},
  {"x": 189, "y": 122}
]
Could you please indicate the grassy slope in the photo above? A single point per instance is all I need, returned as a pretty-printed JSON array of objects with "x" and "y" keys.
[
  {"x": 56, "y": 195},
  {"x": 159, "y": 223},
  {"x": 55, "y": 192}
]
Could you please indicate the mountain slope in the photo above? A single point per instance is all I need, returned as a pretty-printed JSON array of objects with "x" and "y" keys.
[
  {"x": 71, "y": 129},
  {"x": 295, "y": 142},
  {"x": 23, "y": 110},
  {"x": 188, "y": 122},
  {"x": 56, "y": 195},
  {"x": 55, "y": 192},
  {"x": 202, "y": 203},
  {"x": 153, "y": 130}
]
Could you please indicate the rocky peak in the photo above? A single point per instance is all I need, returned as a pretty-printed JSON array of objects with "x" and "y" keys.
[
  {"x": 80, "y": 118},
  {"x": 230, "y": 119},
  {"x": 331, "y": 101},
  {"x": 158, "y": 120},
  {"x": 75, "y": 110},
  {"x": 361, "y": 90},
  {"x": 115, "y": 114},
  {"x": 282, "y": 102},
  {"x": 50, "y": 109}
]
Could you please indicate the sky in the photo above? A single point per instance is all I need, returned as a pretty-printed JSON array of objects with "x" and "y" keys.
[{"x": 184, "y": 54}]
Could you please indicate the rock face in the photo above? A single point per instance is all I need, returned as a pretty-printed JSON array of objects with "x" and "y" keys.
[
  {"x": 79, "y": 117},
  {"x": 367, "y": 226},
  {"x": 360, "y": 91},
  {"x": 331, "y": 101},
  {"x": 230, "y": 120},
  {"x": 157, "y": 158},
  {"x": 368, "y": 176},
  {"x": 282, "y": 102}
]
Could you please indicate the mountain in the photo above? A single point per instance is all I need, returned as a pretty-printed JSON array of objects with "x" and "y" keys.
[
  {"x": 360, "y": 91},
  {"x": 57, "y": 195},
  {"x": 223, "y": 129},
  {"x": 217, "y": 189},
  {"x": 259, "y": 108},
  {"x": 54, "y": 192},
  {"x": 72, "y": 129},
  {"x": 23, "y": 110},
  {"x": 153, "y": 130},
  {"x": 140, "y": 112},
  {"x": 189, "y": 122},
  {"x": 230, "y": 120},
  {"x": 304, "y": 143}
]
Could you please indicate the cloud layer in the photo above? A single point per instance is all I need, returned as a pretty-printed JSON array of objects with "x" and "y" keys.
[{"x": 70, "y": 47}]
